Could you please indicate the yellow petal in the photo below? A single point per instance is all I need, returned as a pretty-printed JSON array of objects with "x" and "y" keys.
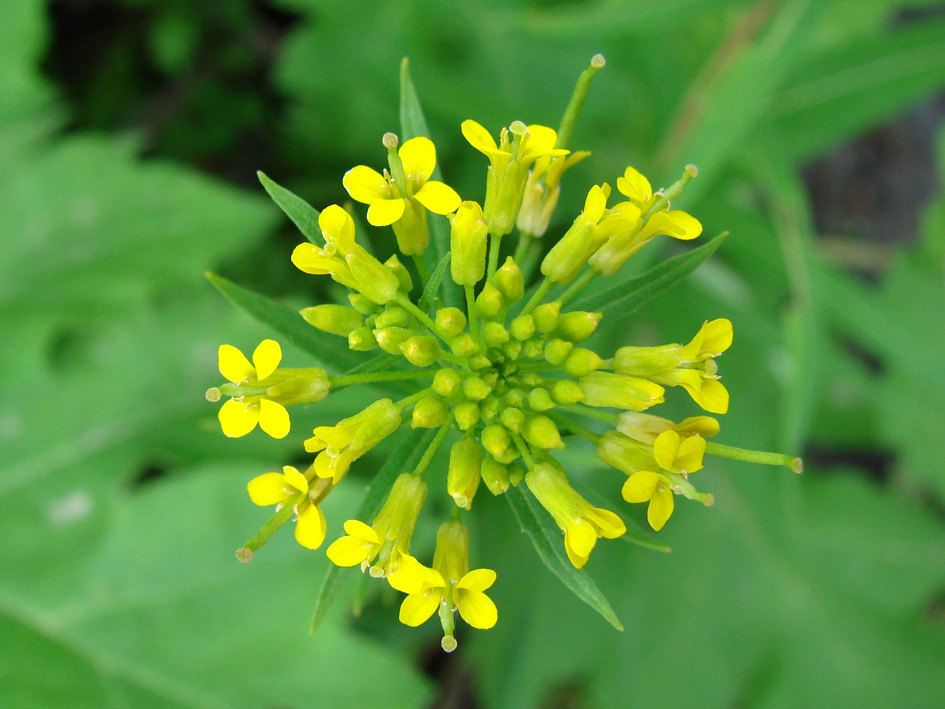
[
  {"x": 640, "y": 486},
  {"x": 577, "y": 561},
  {"x": 366, "y": 185},
  {"x": 661, "y": 507},
  {"x": 234, "y": 365},
  {"x": 690, "y": 454},
  {"x": 411, "y": 576},
  {"x": 541, "y": 140},
  {"x": 385, "y": 212},
  {"x": 339, "y": 436},
  {"x": 349, "y": 551},
  {"x": 418, "y": 607},
  {"x": 635, "y": 186},
  {"x": 477, "y": 609},
  {"x": 705, "y": 426},
  {"x": 419, "y": 158},
  {"x": 609, "y": 525},
  {"x": 311, "y": 259},
  {"x": 310, "y": 527},
  {"x": 580, "y": 537},
  {"x": 358, "y": 529},
  {"x": 480, "y": 138},
  {"x": 294, "y": 478},
  {"x": 337, "y": 227},
  {"x": 665, "y": 449},
  {"x": 238, "y": 419},
  {"x": 477, "y": 580},
  {"x": 267, "y": 489},
  {"x": 716, "y": 336},
  {"x": 438, "y": 197},
  {"x": 273, "y": 418},
  {"x": 711, "y": 396},
  {"x": 595, "y": 204},
  {"x": 266, "y": 358}
]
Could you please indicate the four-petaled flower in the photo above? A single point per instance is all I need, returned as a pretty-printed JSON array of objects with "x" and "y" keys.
[
  {"x": 278, "y": 489},
  {"x": 240, "y": 415},
  {"x": 656, "y": 488}
]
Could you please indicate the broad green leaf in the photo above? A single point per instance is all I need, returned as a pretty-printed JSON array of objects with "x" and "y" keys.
[
  {"x": 547, "y": 540},
  {"x": 324, "y": 348},
  {"x": 632, "y": 293},
  {"x": 302, "y": 214},
  {"x": 403, "y": 459},
  {"x": 433, "y": 285}
]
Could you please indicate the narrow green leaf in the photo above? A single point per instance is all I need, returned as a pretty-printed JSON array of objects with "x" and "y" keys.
[
  {"x": 304, "y": 215},
  {"x": 633, "y": 292},
  {"x": 433, "y": 285},
  {"x": 547, "y": 540},
  {"x": 329, "y": 351},
  {"x": 412, "y": 446}
]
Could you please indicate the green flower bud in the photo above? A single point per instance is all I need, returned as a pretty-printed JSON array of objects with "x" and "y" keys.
[
  {"x": 361, "y": 304},
  {"x": 533, "y": 348},
  {"x": 462, "y": 479},
  {"x": 515, "y": 398},
  {"x": 625, "y": 454},
  {"x": 488, "y": 302},
  {"x": 390, "y": 339},
  {"x": 334, "y": 319},
  {"x": 546, "y": 316},
  {"x": 373, "y": 279},
  {"x": 476, "y": 389},
  {"x": 466, "y": 414},
  {"x": 494, "y": 334},
  {"x": 479, "y": 361},
  {"x": 393, "y": 316},
  {"x": 396, "y": 521},
  {"x": 421, "y": 350},
  {"x": 300, "y": 386},
  {"x": 566, "y": 392},
  {"x": 494, "y": 475},
  {"x": 522, "y": 327},
  {"x": 489, "y": 407},
  {"x": 446, "y": 382},
  {"x": 399, "y": 270},
  {"x": 540, "y": 400},
  {"x": 510, "y": 281},
  {"x": 512, "y": 349},
  {"x": 582, "y": 362},
  {"x": 377, "y": 422},
  {"x": 557, "y": 350},
  {"x": 541, "y": 432},
  {"x": 577, "y": 326},
  {"x": 464, "y": 345},
  {"x": 512, "y": 418},
  {"x": 362, "y": 339},
  {"x": 430, "y": 412},
  {"x": 516, "y": 474},
  {"x": 495, "y": 439},
  {"x": 646, "y": 361},
  {"x": 451, "y": 321},
  {"x": 620, "y": 392},
  {"x": 507, "y": 457},
  {"x": 468, "y": 236},
  {"x": 530, "y": 380}
]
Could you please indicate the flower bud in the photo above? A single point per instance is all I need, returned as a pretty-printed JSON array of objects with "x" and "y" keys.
[
  {"x": 530, "y": 380},
  {"x": 522, "y": 327},
  {"x": 565, "y": 392},
  {"x": 512, "y": 418},
  {"x": 582, "y": 362},
  {"x": 421, "y": 350},
  {"x": 463, "y": 476},
  {"x": 479, "y": 361},
  {"x": 451, "y": 557},
  {"x": 362, "y": 340},
  {"x": 430, "y": 412},
  {"x": 334, "y": 319},
  {"x": 494, "y": 334},
  {"x": 546, "y": 316},
  {"x": 568, "y": 256},
  {"x": 495, "y": 439},
  {"x": 399, "y": 270},
  {"x": 446, "y": 382},
  {"x": 540, "y": 400},
  {"x": 363, "y": 305},
  {"x": 451, "y": 321},
  {"x": 625, "y": 454},
  {"x": 495, "y": 475},
  {"x": 390, "y": 339},
  {"x": 541, "y": 432},
  {"x": 577, "y": 326},
  {"x": 476, "y": 389},
  {"x": 488, "y": 302},
  {"x": 533, "y": 348},
  {"x": 466, "y": 414},
  {"x": 557, "y": 350},
  {"x": 374, "y": 280},
  {"x": 393, "y": 316},
  {"x": 299, "y": 386},
  {"x": 489, "y": 407},
  {"x": 620, "y": 392},
  {"x": 515, "y": 398},
  {"x": 510, "y": 281},
  {"x": 468, "y": 236},
  {"x": 464, "y": 345}
]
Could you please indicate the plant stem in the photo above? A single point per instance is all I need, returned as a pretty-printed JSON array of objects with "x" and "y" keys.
[
  {"x": 349, "y": 379},
  {"x": 584, "y": 433},
  {"x": 434, "y": 446},
  {"x": 537, "y": 297},
  {"x": 523, "y": 450},
  {"x": 496, "y": 242},
  {"x": 412, "y": 399},
  {"x": 524, "y": 239},
  {"x": 422, "y": 268},
  {"x": 576, "y": 287},
  {"x": 245, "y": 553},
  {"x": 471, "y": 311},
  {"x": 405, "y": 302},
  {"x": 765, "y": 458},
  {"x": 593, "y": 413}
]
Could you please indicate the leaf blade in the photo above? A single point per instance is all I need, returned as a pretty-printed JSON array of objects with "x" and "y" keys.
[
  {"x": 433, "y": 285},
  {"x": 302, "y": 214}
]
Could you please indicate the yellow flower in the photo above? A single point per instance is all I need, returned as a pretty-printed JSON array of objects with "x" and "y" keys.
[
  {"x": 279, "y": 488},
  {"x": 393, "y": 203},
  {"x": 509, "y": 161},
  {"x": 239, "y": 416},
  {"x": 656, "y": 488},
  {"x": 340, "y": 445},
  {"x": 388, "y": 538},
  {"x": 581, "y": 522},
  {"x": 646, "y": 427}
]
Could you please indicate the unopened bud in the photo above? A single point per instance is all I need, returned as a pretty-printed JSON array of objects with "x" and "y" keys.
[
  {"x": 468, "y": 236},
  {"x": 464, "y": 345},
  {"x": 540, "y": 400},
  {"x": 494, "y": 475},
  {"x": 577, "y": 326},
  {"x": 489, "y": 408},
  {"x": 582, "y": 362},
  {"x": 421, "y": 350},
  {"x": 546, "y": 316},
  {"x": 361, "y": 304},
  {"x": 393, "y": 316},
  {"x": 557, "y": 350},
  {"x": 334, "y": 319},
  {"x": 515, "y": 398},
  {"x": 462, "y": 479},
  {"x": 488, "y": 302},
  {"x": 510, "y": 281},
  {"x": 522, "y": 327},
  {"x": 362, "y": 339},
  {"x": 466, "y": 414},
  {"x": 620, "y": 392},
  {"x": 430, "y": 412},
  {"x": 476, "y": 389},
  {"x": 512, "y": 349},
  {"x": 446, "y": 382},
  {"x": 541, "y": 432},
  {"x": 494, "y": 334},
  {"x": 390, "y": 339},
  {"x": 451, "y": 321},
  {"x": 566, "y": 392},
  {"x": 403, "y": 276},
  {"x": 479, "y": 361},
  {"x": 533, "y": 348},
  {"x": 512, "y": 418},
  {"x": 495, "y": 439}
]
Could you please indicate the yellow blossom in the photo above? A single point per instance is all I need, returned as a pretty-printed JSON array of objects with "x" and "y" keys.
[
  {"x": 239, "y": 416},
  {"x": 279, "y": 488},
  {"x": 655, "y": 488},
  {"x": 646, "y": 427}
]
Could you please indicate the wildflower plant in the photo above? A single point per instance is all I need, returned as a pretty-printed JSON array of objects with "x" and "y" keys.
[{"x": 482, "y": 356}]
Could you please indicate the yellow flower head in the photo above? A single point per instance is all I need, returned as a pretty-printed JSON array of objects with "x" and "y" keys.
[
  {"x": 239, "y": 416},
  {"x": 279, "y": 488},
  {"x": 581, "y": 522},
  {"x": 646, "y": 427},
  {"x": 655, "y": 488}
]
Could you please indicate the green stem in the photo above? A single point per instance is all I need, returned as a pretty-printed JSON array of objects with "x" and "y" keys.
[
  {"x": 765, "y": 458},
  {"x": 412, "y": 399},
  {"x": 422, "y": 268},
  {"x": 432, "y": 449},
  {"x": 245, "y": 553},
  {"x": 495, "y": 243},
  {"x": 576, "y": 287},
  {"x": 523, "y": 450},
  {"x": 349, "y": 379},
  {"x": 538, "y": 366},
  {"x": 584, "y": 433},
  {"x": 533, "y": 302},
  {"x": 524, "y": 239},
  {"x": 530, "y": 259},
  {"x": 405, "y": 302},
  {"x": 471, "y": 311},
  {"x": 577, "y": 101},
  {"x": 593, "y": 413},
  {"x": 454, "y": 359}
]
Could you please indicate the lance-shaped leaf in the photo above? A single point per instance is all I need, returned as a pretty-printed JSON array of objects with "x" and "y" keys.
[{"x": 302, "y": 214}]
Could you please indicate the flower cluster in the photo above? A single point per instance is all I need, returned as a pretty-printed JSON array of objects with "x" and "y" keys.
[{"x": 506, "y": 374}]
